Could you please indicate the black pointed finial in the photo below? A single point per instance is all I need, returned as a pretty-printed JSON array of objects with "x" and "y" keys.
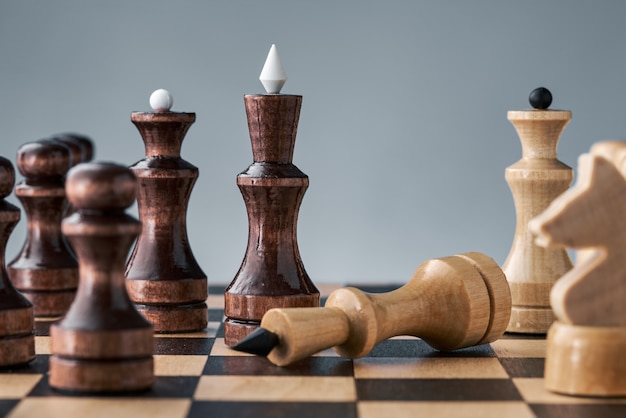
[
  {"x": 260, "y": 342},
  {"x": 540, "y": 98}
]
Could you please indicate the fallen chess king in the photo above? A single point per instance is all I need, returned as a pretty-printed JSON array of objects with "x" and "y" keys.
[{"x": 451, "y": 303}]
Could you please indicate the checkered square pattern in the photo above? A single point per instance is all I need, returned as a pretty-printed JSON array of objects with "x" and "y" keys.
[{"x": 197, "y": 375}]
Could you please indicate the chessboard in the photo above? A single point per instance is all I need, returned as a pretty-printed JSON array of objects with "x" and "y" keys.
[{"x": 197, "y": 375}]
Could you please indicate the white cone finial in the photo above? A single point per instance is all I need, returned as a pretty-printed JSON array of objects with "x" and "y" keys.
[
  {"x": 273, "y": 75},
  {"x": 161, "y": 100}
]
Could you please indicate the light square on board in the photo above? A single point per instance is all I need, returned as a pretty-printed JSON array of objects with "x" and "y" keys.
[
  {"x": 72, "y": 407},
  {"x": 191, "y": 365},
  {"x": 221, "y": 349},
  {"x": 42, "y": 345},
  {"x": 276, "y": 388},
  {"x": 15, "y": 386},
  {"x": 444, "y": 409},
  {"x": 533, "y": 391},
  {"x": 519, "y": 348},
  {"x": 205, "y": 409}
]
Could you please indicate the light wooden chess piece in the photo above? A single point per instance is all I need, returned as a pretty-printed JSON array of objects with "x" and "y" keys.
[
  {"x": 535, "y": 180},
  {"x": 451, "y": 303},
  {"x": 587, "y": 343}
]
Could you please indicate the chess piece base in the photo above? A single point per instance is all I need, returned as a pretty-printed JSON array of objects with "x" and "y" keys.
[
  {"x": 178, "y": 291},
  {"x": 178, "y": 318},
  {"x": 17, "y": 343},
  {"x": 17, "y": 350},
  {"x": 50, "y": 290},
  {"x": 113, "y": 344},
  {"x": 99, "y": 376},
  {"x": 238, "y": 306},
  {"x": 530, "y": 320},
  {"x": 50, "y": 304},
  {"x": 586, "y": 361},
  {"x": 235, "y": 331},
  {"x": 101, "y": 361}
]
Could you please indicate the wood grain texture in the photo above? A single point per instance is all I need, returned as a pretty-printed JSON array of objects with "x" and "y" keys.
[
  {"x": 586, "y": 344},
  {"x": 589, "y": 216},
  {"x": 45, "y": 270},
  {"x": 586, "y": 361},
  {"x": 17, "y": 343},
  {"x": 451, "y": 302},
  {"x": 82, "y": 150},
  {"x": 197, "y": 375},
  {"x": 535, "y": 180},
  {"x": 163, "y": 276},
  {"x": 272, "y": 273},
  {"x": 84, "y": 146},
  {"x": 103, "y": 344}
]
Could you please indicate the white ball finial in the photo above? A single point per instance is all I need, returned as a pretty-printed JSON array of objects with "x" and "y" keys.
[
  {"x": 273, "y": 75},
  {"x": 161, "y": 100}
]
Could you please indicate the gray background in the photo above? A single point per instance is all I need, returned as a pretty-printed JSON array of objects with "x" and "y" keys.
[{"x": 403, "y": 130}]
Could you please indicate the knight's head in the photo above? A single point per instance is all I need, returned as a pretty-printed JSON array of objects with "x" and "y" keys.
[{"x": 590, "y": 213}]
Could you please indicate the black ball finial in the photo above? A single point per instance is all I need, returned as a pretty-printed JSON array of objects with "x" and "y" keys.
[{"x": 540, "y": 98}]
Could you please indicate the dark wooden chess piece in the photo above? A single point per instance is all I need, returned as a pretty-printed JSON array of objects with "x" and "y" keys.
[
  {"x": 86, "y": 145},
  {"x": 272, "y": 274},
  {"x": 75, "y": 149},
  {"x": 103, "y": 344},
  {"x": 163, "y": 277},
  {"x": 81, "y": 148},
  {"x": 45, "y": 270},
  {"x": 17, "y": 343}
]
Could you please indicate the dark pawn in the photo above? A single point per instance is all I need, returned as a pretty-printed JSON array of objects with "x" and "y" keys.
[
  {"x": 85, "y": 146},
  {"x": 45, "y": 270},
  {"x": 81, "y": 148},
  {"x": 540, "y": 98},
  {"x": 75, "y": 149},
  {"x": 17, "y": 343},
  {"x": 102, "y": 344}
]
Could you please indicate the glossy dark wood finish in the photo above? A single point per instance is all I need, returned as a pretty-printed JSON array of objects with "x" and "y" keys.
[
  {"x": 272, "y": 274},
  {"x": 103, "y": 344},
  {"x": 74, "y": 148},
  {"x": 82, "y": 150},
  {"x": 17, "y": 342},
  {"x": 45, "y": 270},
  {"x": 81, "y": 146},
  {"x": 163, "y": 277},
  {"x": 87, "y": 147}
]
